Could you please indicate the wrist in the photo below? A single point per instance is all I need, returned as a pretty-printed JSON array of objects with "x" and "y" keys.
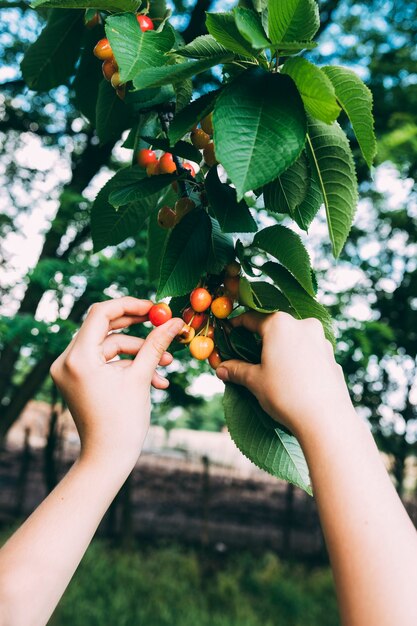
[{"x": 110, "y": 466}]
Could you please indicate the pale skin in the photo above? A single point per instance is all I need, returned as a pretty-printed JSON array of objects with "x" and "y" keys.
[{"x": 371, "y": 540}]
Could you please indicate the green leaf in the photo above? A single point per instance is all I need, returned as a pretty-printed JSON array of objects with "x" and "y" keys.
[
  {"x": 287, "y": 192},
  {"x": 303, "y": 304},
  {"x": 260, "y": 439},
  {"x": 112, "y": 115},
  {"x": 270, "y": 110},
  {"x": 307, "y": 210},
  {"x": 186, "y": 255},
  {"x": 245, "y": 344},
  {"x": 131, "y": 184},
  {"x": 224, "y": 30},
  {"x": 249, "y": 25},
  {"x": 183, "y": 94},
  {"x": 286, "y": 246},
  {"x": 315, "y": 88},
  {"x": 51, "y": 59},
  {"x": 244, "y": 258},
  {"x": 261, "y": 296},
  {"x": 183, "y": 149},
  {"x": 332, "y": 160},
  {"x": 153, "y": 77},
  {"x": 233, "y": 216},
  {"x": 292, "y": 20},
  {"x": 136, "y": 50},
  {"x": 104, "y": 5},
  {"x": 203, "y": 47},
  {"x": 190, "y": 115},
  {"x": 149, "y": 98},
  {"x": 222, "y": 249},
  {"x": 157, "y": 237},
  {"x": 285, "y": 48},
  {"x": 222, "y": 343},
  {"x": 89, "y": 75},
  {"x": 356, "y": 100}
]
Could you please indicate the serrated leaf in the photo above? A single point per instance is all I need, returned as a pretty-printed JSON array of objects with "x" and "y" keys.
[
  {"x": 332, "y": 159},
  {"x": 285, "y": 48},
  {"x": 303, "y": 304},
  {"x": 190, "y": 115},
  {"x": 356, "y": 100},
  {"x": 183, "y": 94},
  {"x": 131, "y": 185},
  {"x": 243, "y": 258},
  {"x": 89, "y": 75},
  {"x": 287, "y": 192},
  {"x": 186, "y": 254},
  {"x": 202, "y": 47},
  {"x": 136, "y": 50},
  {"x": 261, "y": 296},
  {"x": 245, "y": 344},
  {"x": 307, "y": 210},
  {"x": 157, "y": 237},
  {"x": 149, "y": 98},
  {"x": 315, "y": 88},
  {"x": 183, "y": 149},
  {"x": 269, "y": 108},
  {"x": 286, "y": 246},
  {"x": 292, "y": 20},
  {"x": 249, "y": 24},
  {"x": 260, "y": 439},
  {"x": 112, "y": 114},
  {"x": 156, "y": 76},
  {"x": 51, "y": 59},
  {"x": 223, "y": 28},
  {"x": 222, "y": 250},
  {"x": 104, "y": 5},
  {"x": 233, "y": 216}
]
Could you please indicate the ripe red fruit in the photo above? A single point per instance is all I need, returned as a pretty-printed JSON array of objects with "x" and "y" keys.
[
  {"x": 166, "y": 217},
  {"x": 210, "y": 331},
  {"x": 215, "y": 359},
  {"x": 144, "y": 157},
  {"x": 207, "y": 124},
  {"x": 153, "y": 168},
  {"x": 200, "y": 299},
  {"x": 182, "y": 207},
  {"x": 109, "y": 67},
  {"x": 103, "y": 50},
  {"x": 189, "y": 167},
  {"x": 209, "y": 154},
  {"x": 199, "y": 138},
  {"x": 231, "y": 285},
  {"x": 233, "y": 269},
  {"x": 186, "y": 335},
  {"x": 159, "y": 314},
  {"x": 115, "y": 80},
  {"x": 196, "y": 320},
  {"x": 145, "y": 22},
  {"x": 222, "y": 307},
  {"x": 166, "y": 164},
  {"x": 201, "y": 347}
]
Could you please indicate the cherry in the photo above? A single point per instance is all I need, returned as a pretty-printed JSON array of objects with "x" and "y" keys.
[
  {"x": 233, "y": 269},
  {"x": 209, "y": 155},
  {"x": 189, "y": 167},
  {"x": 145, "y": 23},
  {"x": 166, "y": 217},
  {"x": 222, "y": 307},
  {"x": 207, "y": 124},
  {"x": 186, "y": 335},
  {"x": 196, "y": 320},
  {"x": 115, "y": 80},
  {"x": 201, "y": 347},
  {"x": 182, "y": 207},
  {"x": 94, "y": 21},
  {"x": 166, "y": 164},
  {"x": 215, "y": 359},
  {"x": 231, "y": 285},
  {"x": 109, "y": 68},
  {"x": 200, "y": 299},
  {"x": 210, "y": 331},
  {"x": 144, "y": 157},
  {"x": 121, "y": 91},
  {"x": 152, "y": 169},
  {"x": 159, "y": 314},
  {"x": 199, "y": 138},
  {"x": 103, "y": 50}
]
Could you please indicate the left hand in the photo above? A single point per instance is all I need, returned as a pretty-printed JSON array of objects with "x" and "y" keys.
[{"x": 110, "y": 401}]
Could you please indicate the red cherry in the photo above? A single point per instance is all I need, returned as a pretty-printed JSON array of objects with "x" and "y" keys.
[
  {"x": 144, "y": 157},
  {"x": 201, "y": 347},
  {"x": 189, "y": 167},
  {"x": 200, "y": 299},
  {"x": 103, "y": 50},
  {"x": 186, "y": 335},
  {"x": 233, "y": 269},
  {"x": 166, "y": 164},
  {"x": 215, "y": 359},
  {"x": 153, "y": 169},
  {"x": 199, "y": 138},
  {"x": 109, "y": 68},
  {"x": 145, "y": 22},
  {"x": 209, "y": 154},
  {"x": 166, "y": 217},
  {"x": 196, "y": 320},
  {"x": 182, "y": 207},
  {"x": 210, "y": 331},
  {"x": 231, "y": 285},
  {"x": 159, "y": 314},
  {"x": 222, "y": 307}
]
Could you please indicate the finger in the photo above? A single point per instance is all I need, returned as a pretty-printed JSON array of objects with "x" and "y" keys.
[
  {"x": 238, "y": 372},
  {"x": 127, "y": 320},
  {"x": 155, "y": 345},
  {"x": 101, "y": 315},
  {"x": 158, "y": 381},
  {"x": 118, "y": 343},
  {"x": 253, "y": 321}
]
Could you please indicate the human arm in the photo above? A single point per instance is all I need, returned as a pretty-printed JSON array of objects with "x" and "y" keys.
[
  {"x": 110, "y": 403},
  {"x": 371, "y": 541}
]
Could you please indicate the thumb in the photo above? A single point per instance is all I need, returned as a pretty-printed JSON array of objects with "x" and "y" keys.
[
  {"x": 156, "y": 343},
  {"x": 235, "y": 371}
]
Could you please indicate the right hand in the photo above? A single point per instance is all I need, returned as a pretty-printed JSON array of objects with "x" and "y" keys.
[{"x": 298, "y": 382}]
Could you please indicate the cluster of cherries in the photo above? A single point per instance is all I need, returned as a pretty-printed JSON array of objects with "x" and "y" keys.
[
  {"x": 110, "y": 68},
  {"x": 205, "y": 311}
]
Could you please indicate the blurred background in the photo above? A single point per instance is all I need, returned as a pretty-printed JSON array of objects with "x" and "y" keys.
[{"x": 198, "y": 535}]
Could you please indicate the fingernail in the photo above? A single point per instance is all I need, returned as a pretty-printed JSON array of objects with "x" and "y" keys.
[{"x": 222, "y": 373}]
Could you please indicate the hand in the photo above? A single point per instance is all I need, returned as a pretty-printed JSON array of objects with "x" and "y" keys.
[
  {"x": 110, "y": 401},
  {"x": 298, "y": 382}
]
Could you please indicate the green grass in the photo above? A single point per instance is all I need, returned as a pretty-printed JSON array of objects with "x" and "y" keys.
[{"x": 165, "y": 586}]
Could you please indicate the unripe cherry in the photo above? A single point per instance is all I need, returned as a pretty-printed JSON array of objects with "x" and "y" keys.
[
  {"x": 102, "y": 50},
  {"x": 166, "y": 164},
  {"x": 182, "y": 207},
  {"x": 233, "y": 269},
  {"x": 215, "y": 359},
  {"x": 207, "y": 124},
  {"x": 200, "y": 299},
  {"x": 186, "y": 335},
  {"x": 145, "y": 156},
  {"x": 166, "y": 217},
  {"x": 109, "y": 67},
  {"x": 231, "y": 285},
  {"x": 145, "y": 23},
  {"x": 209, "y": 154},
  {"x": 159, "y": 314},
  {"x": 199, "y": 138},
  {"x": 222, "y": 307},
  {"x": 201, "y": 347},
  {"x": 153, "y": 169},
  {"x": 196, "y": 320}
]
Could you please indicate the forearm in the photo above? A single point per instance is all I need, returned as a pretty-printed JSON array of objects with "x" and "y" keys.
[
  {"x": 371, "y": 541},
  {"x": 40, "y": 559}
]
